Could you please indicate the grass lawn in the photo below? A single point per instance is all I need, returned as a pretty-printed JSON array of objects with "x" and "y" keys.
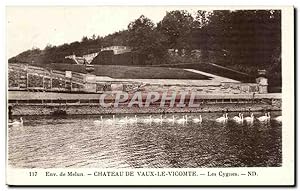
[
  {"x": 216, "y": 71},
  {"x": 134, "y": 72}
]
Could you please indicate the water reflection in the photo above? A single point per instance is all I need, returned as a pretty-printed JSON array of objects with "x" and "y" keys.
[{"x": 77, "y": 141}]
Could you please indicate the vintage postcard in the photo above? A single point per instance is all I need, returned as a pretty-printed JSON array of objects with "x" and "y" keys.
[{"x": 150, "y": 95}]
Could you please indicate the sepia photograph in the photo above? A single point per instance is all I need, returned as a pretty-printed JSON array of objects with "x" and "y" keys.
[{"x": 112, "y": 87}]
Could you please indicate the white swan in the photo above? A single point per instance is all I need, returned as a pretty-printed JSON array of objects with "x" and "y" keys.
[
  {"x": 17, "y": 122},
  {"x": 279, "y": 118},
  {"x": 148, "y": 120},
  {"x": 133, "y": 120},
  {"x": 237, "y": 117},
  {"x": 266, "y": 117},
  {"x": 198, "y": 120},
  {"x": 182, "y": 120},
  {"x": 222, "y": 119},
  {"x": 171, "y": 120},
  {"x": 125, "y": 120},
  {"x": 249, "y": 119},
  {"x": 158, "y": 120},
  {"x": 97, "y": 122},
  {"x": 111, "y": 120}
]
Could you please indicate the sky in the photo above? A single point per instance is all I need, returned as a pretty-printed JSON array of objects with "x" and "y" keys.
[{"x": 29, "y": 27}]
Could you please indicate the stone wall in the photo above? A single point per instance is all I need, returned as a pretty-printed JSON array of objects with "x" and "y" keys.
[
  {"x": 96, "y": 109},
  {"x": 222, "y": 88}
]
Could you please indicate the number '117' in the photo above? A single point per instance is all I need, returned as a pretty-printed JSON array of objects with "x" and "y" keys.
[{"x": 32, "y": 173}]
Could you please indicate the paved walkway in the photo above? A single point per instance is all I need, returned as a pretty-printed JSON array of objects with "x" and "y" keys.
[
  {"x": 215, "y": 77},
  {"x": 209, "y": 63},
  {"x": 25, "y": 95}
]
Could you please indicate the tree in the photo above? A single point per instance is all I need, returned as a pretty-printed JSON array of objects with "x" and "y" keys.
[
  {"x": 245, "y": 40},
  {"x": 177, "y": 26},
  {"x": 48, "y": 46},
  {"x": 140, "y": 33},
  {"x": 84, "y": 39},
  {"x": 146, "y": 40},
  {"x": 202, "y": 18}
]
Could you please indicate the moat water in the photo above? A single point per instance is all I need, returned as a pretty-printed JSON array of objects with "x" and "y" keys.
[{"x": 84, "y": 142}]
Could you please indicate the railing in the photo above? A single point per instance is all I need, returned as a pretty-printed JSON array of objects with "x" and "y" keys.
[
  {"x": 26, "y": 77},
  {"x": 32, "y": 78}
]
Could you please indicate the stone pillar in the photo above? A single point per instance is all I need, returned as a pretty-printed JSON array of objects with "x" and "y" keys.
[
  {"x": 262, "y": 82},
  {"x": 68, "y": 82},
  {"x": 90, "y": 83}
]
